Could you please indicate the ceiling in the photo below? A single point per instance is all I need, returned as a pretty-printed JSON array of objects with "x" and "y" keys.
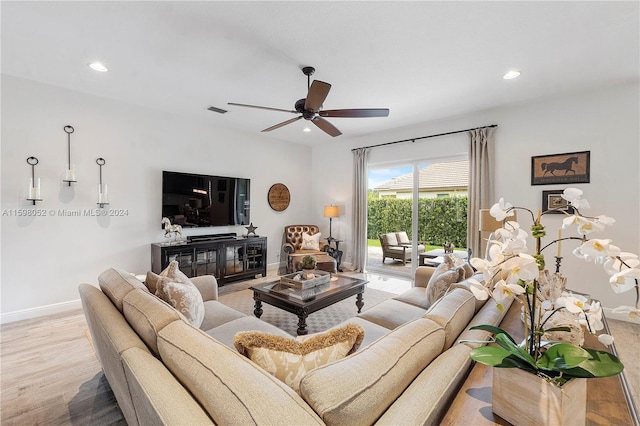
[{"x": 423, "y": 60}]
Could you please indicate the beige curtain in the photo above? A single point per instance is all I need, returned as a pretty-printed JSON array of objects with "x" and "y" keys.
[
  {"x": 481, "y": 183},
  {"x": 359, "y": 218}
]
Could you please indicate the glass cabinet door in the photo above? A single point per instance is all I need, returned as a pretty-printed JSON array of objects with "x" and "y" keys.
[
  {"x": 255, "y": 258},
  {"x": 184, "y": 259},
  {"x": 234, "y": 259},
  {"x": 206, "y": 261}
]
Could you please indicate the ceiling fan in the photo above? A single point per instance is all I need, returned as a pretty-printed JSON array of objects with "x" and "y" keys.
[{"x": 310, "y": 107}]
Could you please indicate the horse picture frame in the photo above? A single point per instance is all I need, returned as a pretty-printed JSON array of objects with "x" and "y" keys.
[
  {"x": 572, "y": 167},
  {"x": 552, "y": 202}
]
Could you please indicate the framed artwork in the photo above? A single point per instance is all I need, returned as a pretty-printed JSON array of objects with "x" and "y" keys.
[
  {"x": 572, "y": 167},
  {"x": 552, "y": 200}
]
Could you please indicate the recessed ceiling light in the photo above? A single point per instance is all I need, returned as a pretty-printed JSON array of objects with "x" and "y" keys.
[
  {"x": 97, "y": 66},
  {"x": 306, "y": 130},
  {"x": 511, "y": 74}
]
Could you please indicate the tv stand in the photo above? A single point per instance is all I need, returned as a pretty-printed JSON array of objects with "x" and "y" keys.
[
  {"x": 225, "y": 256},
  {"x": 211, "y": 237}
]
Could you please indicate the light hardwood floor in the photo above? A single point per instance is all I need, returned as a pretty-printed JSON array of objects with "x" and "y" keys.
[{"x": 49, "y": 374}]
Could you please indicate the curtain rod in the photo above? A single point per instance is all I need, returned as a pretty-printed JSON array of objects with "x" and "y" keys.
[{"x": 425, "y": 137}]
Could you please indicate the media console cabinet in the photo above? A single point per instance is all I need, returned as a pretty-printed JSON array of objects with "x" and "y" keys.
[{"x": 227, "y": 257}]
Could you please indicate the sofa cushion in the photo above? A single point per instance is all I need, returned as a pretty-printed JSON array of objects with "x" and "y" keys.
[
  {"x": 147, "y": 315},
  {"x": 226, "y": 332},
  {"x": 231, "y": 388},
  {"x": 359, "y": 388},
  {"x": 217, "y": 313},
  {"x": 434, "y": 388},
  {"x": 310, "y": 242},
  {"x": 158, "y": 397},
  {"x": 489, "y": 314},
  {"x": 416, "y": 296},
  {"x": 372, "y": 331},
  {"x": 453, "y": 312},
  {"x": 290, "y": 359},
  {"x": 402, "y": 238},
  {"x": 116, "y": 284},
  {"x": 392, "y": 313},
  {"x": 389, "y": 239}
]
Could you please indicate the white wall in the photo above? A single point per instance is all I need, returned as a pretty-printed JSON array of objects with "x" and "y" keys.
[
  {"x": 604, "y": 122},
  {"x": 45, "y": 258}
]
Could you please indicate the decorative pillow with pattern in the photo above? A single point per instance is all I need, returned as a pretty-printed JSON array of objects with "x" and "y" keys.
[
  {"x": 175, "y": 288},
  {"x": 291, "y": 359},
  {"x": 446, "y": 274},
  {"x": 310, "y": 242}
]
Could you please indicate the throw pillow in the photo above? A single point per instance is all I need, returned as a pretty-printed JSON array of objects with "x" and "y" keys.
[
  {"x": 290, "y": 359},
  {"x": 175, "y": 288},
  {"x": 310, "y": 242},
  {"x": 443, "y": 277},
  {"x": 403, "y": 238},
  {"x": 389, "y": 240}
]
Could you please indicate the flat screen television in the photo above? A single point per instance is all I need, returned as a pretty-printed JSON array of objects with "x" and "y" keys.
[{"x": 193, "y": 201}]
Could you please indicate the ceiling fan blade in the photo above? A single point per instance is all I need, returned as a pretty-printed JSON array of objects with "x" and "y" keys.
[
  {"x": 355, "y": 113},
  {"x": 261, "y": 107},
  {"x": 317, "y": 94},
  {"x": 284, "y": 123},
  {"x": 326, "y": 127}
]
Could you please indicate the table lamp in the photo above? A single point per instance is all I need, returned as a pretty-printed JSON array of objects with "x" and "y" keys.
[{"x": 330, "y": 212}]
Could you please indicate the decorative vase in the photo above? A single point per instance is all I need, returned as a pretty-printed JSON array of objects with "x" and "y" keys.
[
  {"x": 522, "y": 398},
  {"x": 308, "y": 274}
]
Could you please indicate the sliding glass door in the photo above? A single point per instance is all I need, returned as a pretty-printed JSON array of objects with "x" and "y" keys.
[{"x": 414, "y": 209}]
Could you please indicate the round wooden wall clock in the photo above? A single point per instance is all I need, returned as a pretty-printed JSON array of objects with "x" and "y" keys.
[{"x": 279, "y": 197}]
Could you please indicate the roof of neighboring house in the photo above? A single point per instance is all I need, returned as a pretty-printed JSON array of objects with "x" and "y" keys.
[{"x": 452, "y": 175}]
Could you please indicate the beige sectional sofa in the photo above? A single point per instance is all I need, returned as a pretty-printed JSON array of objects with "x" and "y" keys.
[{"x": 163, "y": 370}]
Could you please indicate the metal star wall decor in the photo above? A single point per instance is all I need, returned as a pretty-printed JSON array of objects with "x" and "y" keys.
[{"x": 251, "y": 229}]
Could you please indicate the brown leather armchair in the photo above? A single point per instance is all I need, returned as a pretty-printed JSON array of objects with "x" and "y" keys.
[{"x": 293, "y": 248}]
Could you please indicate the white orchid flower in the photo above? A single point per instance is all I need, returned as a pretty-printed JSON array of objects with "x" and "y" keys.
[
  {"x": 631, "y": 311},
  {"x": 503, "y": 291},
  {"x": 613, "y": 265},
  {"x": 499, "y": 210},
  {"x": 574, "y": 303},
  {"x": 624, "y": 280},
  {"x": 605, "y": 339},
  {"x": 605, "y": 220},
  {"x": 478, "y": 290},
  {"x": 597, "y": 250},
  {"x": 522, "y": 267},
  {"x": 574, "y": 197}
]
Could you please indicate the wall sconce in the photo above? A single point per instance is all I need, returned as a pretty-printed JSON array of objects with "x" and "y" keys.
[
  {"x": 69, "y": 174},
  {"x": 34, "y": 184},
  {"x": 330, "y": 212},
  {"x": 103, "y": 195}
]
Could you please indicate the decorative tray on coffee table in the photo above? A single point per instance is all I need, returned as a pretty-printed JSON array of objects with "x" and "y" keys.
[{"x": 298, "y": 280}]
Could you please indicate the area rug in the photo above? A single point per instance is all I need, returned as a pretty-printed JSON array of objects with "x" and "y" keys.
[{"x": 318, "y": 321}]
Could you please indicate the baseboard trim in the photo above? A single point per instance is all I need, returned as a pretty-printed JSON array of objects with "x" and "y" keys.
[{"x": 39, "y": 311}]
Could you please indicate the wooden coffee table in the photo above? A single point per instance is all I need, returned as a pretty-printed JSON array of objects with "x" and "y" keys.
[
  {"x": 305, "y": 302},
  {"x": 609, "y": 401}
]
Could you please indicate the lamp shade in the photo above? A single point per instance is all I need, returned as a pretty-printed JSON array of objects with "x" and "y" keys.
[
  {"x": 488, "y": 223},
  {"x": 331, "y": 211}
]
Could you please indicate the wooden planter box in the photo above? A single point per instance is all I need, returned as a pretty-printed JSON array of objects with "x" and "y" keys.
[{"x": 522, "y": 398}]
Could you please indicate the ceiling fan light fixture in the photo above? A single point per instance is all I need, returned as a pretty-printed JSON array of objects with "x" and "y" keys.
[
  {"x": 511, "y": 75},
  {"x": 97, "y": 66},
  {"x": 306, "y": 129}
]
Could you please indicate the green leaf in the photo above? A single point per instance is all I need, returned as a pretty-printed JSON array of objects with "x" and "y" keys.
[
  {"x": 562, "y": 356},
  {"x": 507, "y": 343},
  {"x": 492, "y": 329},
  {"x": 600, "y": 364},
  {"x": 498, "y": 357}
]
